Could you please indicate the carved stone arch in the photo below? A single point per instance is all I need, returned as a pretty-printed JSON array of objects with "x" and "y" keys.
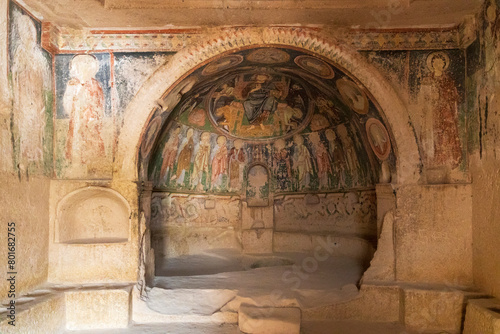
[{"x": 215, "y": 43}]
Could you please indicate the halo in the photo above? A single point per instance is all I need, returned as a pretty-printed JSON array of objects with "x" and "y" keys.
[
  {"x": 279, "y": 144},
  {"x": 433, "y": 55},
  {"x": 86, "y": 59}
]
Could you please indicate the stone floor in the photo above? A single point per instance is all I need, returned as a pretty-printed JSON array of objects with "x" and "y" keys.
[
  {"x": 293, "y": 276},
  {"x": 320, "y": 327}
]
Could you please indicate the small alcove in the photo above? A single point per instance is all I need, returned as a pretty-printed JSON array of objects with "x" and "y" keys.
[{"x": 92, "y": 215}]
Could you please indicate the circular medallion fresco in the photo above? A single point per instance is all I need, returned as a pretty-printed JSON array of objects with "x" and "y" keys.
[
  {"x": 353, "y": 96},
  {"x": 378, "y": 138},
  {"x": 315, "y": 66},
  {"x": 268, "y": 56},
  {"x": 222, "y": 64},
  {"x": 259, "y": 105}
]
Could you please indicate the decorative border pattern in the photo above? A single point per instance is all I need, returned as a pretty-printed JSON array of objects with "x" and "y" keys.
[
  {"x": 74, "y": 41},
  {"x": 68, "y": 41},
  {"x": 403, "y": 40}
]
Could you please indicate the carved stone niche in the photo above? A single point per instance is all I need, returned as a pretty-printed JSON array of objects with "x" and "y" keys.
[{"x": 92, "y": 215}]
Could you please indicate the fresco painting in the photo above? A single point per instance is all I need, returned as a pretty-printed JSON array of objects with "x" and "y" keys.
[
  {"x": 438, "y": 86},
  {"x": 83, "y": 100},
  {"x": 193, "y": 160},
  {"x": 222, "y": 64},
  {"x": 393, "y": 64},
  {"x": 282, "y": 166},
  {"x": 200, "y": 176},
  {"x": 302, "y": 162},
  {"x": 259, "y": 105},
  {"x": 220, "y": 165},
  {"x": 254, "y": 108},
  {"x": 354, "y": 97},
  {"x": 84, "y": 122},
  {"x": 186, "y": 150},
  {"x": 434, "y": 82},
  {"x": 268, "y": 56},
  {"x": 257, "y": 189},
  {"x": 315, "y": 66},
  {"x": 31, "y": 83},
  {"x": 442, "y": 142},
  {"x": 337, "y": 157},
  {"x": 237, "y": 162},
  {"x": 131, "y": 70},
  {"x": 378, "y": 138},
  {"x": 323, "y": 160}
]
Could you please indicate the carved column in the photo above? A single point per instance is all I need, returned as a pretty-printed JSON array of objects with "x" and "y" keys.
[{"x": 386, "y": 201}]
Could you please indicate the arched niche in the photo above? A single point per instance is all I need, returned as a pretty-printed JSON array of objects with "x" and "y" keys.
[
  {"x": 142, "y": 108},
  {"x": 300, "y": 117},
  {"x": 92, "y": 215},
  {"x": 387, "y": 144},
  {"x": 257, "y": 186},
  {"x": 258, "y": 124}
]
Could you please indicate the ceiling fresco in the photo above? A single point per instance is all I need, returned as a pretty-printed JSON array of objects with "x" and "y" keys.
[{"x": 304, "y": 121}]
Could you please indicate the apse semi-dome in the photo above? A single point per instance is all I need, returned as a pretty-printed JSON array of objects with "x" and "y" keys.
[{"x": 304, "y": 119}]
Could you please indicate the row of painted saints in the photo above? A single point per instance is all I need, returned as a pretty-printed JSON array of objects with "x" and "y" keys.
[{"x": 203, "y": 161}]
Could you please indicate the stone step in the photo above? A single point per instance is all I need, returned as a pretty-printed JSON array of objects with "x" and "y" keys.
[
  {"x": 56, "y": 308},
  {"x": 308, "y": 327},
  {"x": 196, "y": 306},
  {"x": 223, "y": 305},
  {"x": 269, "y": 320}
]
